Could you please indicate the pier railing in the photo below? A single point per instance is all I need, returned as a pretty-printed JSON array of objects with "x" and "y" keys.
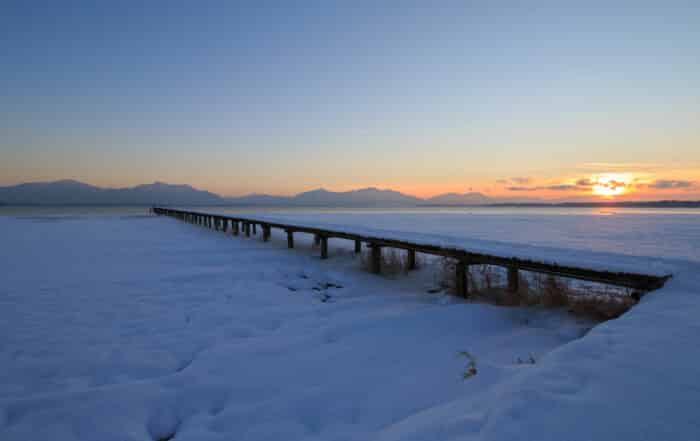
[{"x": 640, "y": 283}]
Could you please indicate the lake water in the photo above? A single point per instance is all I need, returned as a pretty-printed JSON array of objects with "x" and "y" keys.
[{"x": 651, "y": 232}]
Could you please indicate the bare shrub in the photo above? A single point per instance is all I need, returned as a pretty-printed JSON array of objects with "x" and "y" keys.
[
  {"x": 554, "y": 293},
  {"x": 471, "y": 369},
  {"x": 601, "y": 307},
  {"x": 487, "y": 284},
  {"x": 529, "y": 360}
]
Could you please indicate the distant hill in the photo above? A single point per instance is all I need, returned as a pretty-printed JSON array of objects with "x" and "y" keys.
[
  {"x": 69, "y": 192},
  {"x": 459, "y": 199},
  {"x": 367, "y": 197}
]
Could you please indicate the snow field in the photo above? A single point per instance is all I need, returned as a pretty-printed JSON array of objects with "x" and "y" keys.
[{"x": 141, "y": 328}]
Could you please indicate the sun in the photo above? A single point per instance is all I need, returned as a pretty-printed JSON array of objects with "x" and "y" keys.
[{"x": 609, "y": 185}]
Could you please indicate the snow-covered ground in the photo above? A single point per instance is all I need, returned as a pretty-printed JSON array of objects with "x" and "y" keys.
[{"x": 138, "y": 328}]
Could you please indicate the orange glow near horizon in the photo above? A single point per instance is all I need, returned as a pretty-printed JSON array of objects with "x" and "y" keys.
[{"x": 609, "y": 185}]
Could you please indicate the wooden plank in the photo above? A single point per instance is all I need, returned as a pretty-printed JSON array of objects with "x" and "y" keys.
[
  {"x": 461, "y": 278},
  {"x": 324, "y": 247},
  {"x": 376, "y": 258},
  {"x": 513, "y": 279},
  {"x": 411, "y": 260}
]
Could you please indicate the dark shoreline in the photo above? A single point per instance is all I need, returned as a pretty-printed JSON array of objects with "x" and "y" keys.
[{"x": 619, "y": 204}]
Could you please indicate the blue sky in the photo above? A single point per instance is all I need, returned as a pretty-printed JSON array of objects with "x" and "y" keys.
[{"x": 279, "y": 98}]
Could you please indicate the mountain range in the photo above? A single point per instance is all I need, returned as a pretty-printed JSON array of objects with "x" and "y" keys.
[{"x": 71, "y": 192}]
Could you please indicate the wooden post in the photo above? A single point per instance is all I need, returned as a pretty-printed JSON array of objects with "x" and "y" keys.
[
  {"x": 234, "y": 227},
  {"x": 462, "y": 278},
  {"x": 411, "y": 259},
  {"x": 358, "y": 247},
  {"x": 513, "y": 279},
  {"x": 376, "y": 258},
  {"x": 266, "y": 232},
  {"x": 324, "y": 247},
  {"x": 317, "y": 240},
  {"x": 225, "y": 224},
  {"x": 290, "y": 239},
  {"x": 255, "y": 229}
]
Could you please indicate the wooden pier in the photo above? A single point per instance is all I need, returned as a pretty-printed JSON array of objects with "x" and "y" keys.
[{"x": 640, "y": 283}]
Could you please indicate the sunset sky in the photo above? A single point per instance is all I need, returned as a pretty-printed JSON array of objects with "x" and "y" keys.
[{"x": 555, "y": 100}]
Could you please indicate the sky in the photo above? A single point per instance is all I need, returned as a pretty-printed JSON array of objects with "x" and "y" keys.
[{"x": 554, "y": 100}]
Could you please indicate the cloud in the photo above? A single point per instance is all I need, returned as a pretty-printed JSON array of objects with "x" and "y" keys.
[
  {"x": 523, "y": 188},
  {"x": 560, "y": 187},
  {"x": 666, "y": 184},
  {"x": 611, "y": 166},
  {"x": 518, "y": 180},
  {"x": 521, "y": 180}
]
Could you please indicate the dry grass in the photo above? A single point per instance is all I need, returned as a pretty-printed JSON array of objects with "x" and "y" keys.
[
  {"x": 489, "y": 284},
  {"x": 554, "y": 292},
  {"x": 601, "y": 307}
]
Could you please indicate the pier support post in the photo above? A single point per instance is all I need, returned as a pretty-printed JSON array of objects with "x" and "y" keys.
[
  {"x": 225, "y": 225},
  {"x": 317, "y": 240},
  {"x": 255, "y": 229},
  {"x": 324, "y": 247},
  {"x": 234, "y": 227},
  {"x": 266, "y": 232},
  {"x": 376, "y": 257},
  {"x": 246, "y": 226},
  {"x": 358, "y": 247},
  {"x": 513, "y": 279},
  {"x": 411, "y": 259},
  {"x": 290, "y": 239},
  {"x": 462, "y": 278}
]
